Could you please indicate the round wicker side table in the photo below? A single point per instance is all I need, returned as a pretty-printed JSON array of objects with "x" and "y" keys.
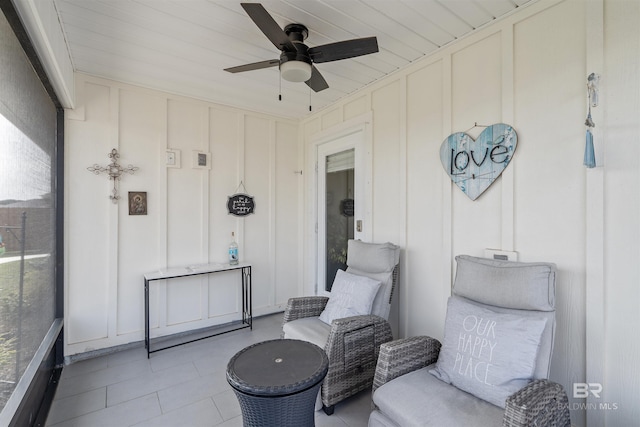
[{"x": 277, "y": 382}]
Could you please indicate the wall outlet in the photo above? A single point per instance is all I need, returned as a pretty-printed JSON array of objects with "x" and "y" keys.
[{"x": 501, "y": 255}]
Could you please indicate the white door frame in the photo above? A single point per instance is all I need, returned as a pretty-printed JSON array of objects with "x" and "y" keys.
[{"x": 322, "y": 143}]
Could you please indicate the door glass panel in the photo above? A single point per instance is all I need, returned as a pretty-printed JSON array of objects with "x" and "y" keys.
[{"x": 340, "y": 171}]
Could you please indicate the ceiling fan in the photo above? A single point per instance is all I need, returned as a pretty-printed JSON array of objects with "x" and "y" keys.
[{"x": 297, "y": 59}]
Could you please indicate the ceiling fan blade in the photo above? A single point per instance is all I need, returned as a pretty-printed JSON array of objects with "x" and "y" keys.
[
  {"x": 343, "y": 50},
  {"x": 268, "y": 26},
  {"x": 316, "y": 81},
  {"x": 253, "y": 66}
]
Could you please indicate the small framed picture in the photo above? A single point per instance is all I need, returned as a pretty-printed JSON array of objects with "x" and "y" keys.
[
  {"x": 137, "y": 202},
  {"x": 201, "y": 160}
]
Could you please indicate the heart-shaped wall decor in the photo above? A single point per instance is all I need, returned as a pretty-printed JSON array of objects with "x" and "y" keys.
[{"x": 473, "y": 165}]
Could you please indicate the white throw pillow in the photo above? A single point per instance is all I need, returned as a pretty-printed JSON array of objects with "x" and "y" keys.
[
  {"x": 351, "y": 295},
  {"x": 488, "y": 354}
]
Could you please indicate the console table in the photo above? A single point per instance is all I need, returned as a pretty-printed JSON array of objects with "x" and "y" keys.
[{"x": 195, "y": 270}]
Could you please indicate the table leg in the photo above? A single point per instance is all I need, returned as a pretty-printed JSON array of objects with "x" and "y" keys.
[
  {"x": 146, "y": 317},
  {"x": 250, "y": 305},
  {"x": 246, "y": 297}
]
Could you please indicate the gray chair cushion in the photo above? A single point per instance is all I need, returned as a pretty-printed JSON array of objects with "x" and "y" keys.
[
  {"x": 372, "y": 257},
  {"x": 376, "y": 261},
  {"x": 518, "y": 285},
  {"x": 420, "y": 399},
  {"x": 310, "y": 329}
]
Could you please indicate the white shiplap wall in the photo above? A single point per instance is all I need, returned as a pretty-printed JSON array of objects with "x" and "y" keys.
[
  {"x": 529, "y": 71},
  {"x": 619, "y": 354},
  {"x": 108, "y": 251}
]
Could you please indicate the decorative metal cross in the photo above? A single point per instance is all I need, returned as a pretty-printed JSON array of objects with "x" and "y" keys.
[{"x": 114, "y": 170}]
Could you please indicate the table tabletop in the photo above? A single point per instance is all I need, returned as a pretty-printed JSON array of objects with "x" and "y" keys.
[
  {"x": 277, "y": 367},
  {"x": 192, "y": 270}
]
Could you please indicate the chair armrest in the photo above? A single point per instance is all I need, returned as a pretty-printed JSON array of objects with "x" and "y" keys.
[
  {"x": 350, "y": 325},
  {"x": 540, "y": 403},
  {"x": 301, "y": 307},
  {"x": 402, "y": 356},
  {"x": 352, "y": 347}
]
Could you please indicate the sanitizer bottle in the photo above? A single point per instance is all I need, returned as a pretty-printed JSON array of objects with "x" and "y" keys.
[{"x": 233, "y": 250}]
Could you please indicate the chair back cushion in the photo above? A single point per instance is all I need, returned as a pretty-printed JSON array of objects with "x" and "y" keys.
[
  {"x": 376, "y": 261},
  {"x": 508, "y": 284},
  {"x": 518, "y": 288}
]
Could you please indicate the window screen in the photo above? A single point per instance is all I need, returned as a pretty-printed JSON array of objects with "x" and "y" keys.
[{"x": 27, "y": 212}]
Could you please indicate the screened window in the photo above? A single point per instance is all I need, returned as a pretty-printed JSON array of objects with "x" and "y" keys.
[{"x": 28, "y": 140}]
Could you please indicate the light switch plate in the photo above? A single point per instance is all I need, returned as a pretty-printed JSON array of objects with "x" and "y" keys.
[
  {"x": 173, "y": 158},
  {"x": 501, "y": 255}
]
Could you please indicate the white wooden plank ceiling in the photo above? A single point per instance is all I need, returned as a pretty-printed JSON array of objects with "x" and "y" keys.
[{"x": 182, "y": 46}]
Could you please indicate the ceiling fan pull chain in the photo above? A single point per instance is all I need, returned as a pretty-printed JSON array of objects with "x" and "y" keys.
[
  {"x": 280, "y": 88},
  {"x": 310, "y": 99}
]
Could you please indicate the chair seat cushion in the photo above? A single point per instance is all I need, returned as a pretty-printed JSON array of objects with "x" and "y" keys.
[
  {"x": 310, "y": 329},
  {"x": 420, "y": 399}
]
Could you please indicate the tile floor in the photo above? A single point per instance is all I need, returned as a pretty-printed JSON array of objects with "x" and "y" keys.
[{"x": 182, "y": 386}]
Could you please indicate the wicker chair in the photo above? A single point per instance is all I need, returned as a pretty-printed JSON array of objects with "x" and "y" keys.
[
  {"x": 405, "y": 393},
  {"x": 352, "y": 344}
]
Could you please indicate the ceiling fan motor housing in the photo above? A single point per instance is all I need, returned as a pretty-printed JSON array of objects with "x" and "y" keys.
[{"x": 300, "y": 54}]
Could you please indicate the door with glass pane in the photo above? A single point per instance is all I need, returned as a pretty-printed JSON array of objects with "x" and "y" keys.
[{"x": 340, "y": 204}]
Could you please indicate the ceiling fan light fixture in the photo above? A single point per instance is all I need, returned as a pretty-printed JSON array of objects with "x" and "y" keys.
[{"x": 295, "y": 71}]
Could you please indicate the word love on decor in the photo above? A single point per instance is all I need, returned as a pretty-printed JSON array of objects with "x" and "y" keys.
[{"x": 473, "y": 165}]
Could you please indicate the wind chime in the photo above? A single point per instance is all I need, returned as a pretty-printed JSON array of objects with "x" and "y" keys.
[{"x": 592, "y": 92}]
